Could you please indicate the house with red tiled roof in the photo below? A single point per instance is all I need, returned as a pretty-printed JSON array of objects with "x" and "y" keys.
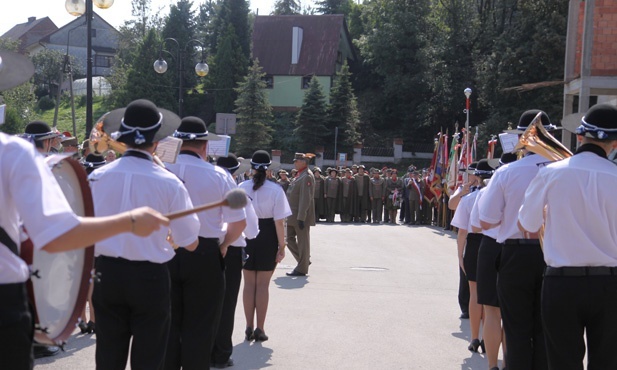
[
  {"x": 30, "y": 33},
  {"x": 294, "y": 48}
]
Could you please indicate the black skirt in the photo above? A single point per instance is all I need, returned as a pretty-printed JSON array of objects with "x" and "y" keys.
[
  {"x": 263, "y": 249},
  {"x": 489, "y": 257},
  {"x": 470, "y": 258}
]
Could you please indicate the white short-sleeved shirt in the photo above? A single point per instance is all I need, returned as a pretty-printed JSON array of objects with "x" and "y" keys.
[
  {"x": 581, "y": 216},
  {"x": 207, "y": 183},
  {"x": 29, "y": 192},
  {"x": 131, "y": 182},
  {"x": 462, "y": 214},
  {"x": 475, "y": 217},
  {"x": 252, "y": 226},
  {"x": 505, "y": 193},
  {"x": 269, "y": 200}
]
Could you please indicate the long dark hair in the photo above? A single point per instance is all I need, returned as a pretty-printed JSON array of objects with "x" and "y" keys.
[{"x": 258, "y": 179}]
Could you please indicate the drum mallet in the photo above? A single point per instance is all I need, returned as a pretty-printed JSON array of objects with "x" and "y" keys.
[{"x": 234, "y": 199}]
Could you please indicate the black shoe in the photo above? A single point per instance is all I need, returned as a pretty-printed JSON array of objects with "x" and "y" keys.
[
  {"x": 475, "y": 344},
  {"x": 45, "y": 351},
  {"x": 83, "y": 327},
  {"x": 91, "y": 327},
  {"x": 223, "y": 365},
  {"x": 260, "y": 336},
  {"x": 248, "y": 334},
  {"x": 464, "y": 315},
  {"x": 293, "y": 273}
]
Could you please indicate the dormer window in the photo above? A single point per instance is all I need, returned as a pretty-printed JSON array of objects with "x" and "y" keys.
[{"x": 296, "y": 44}]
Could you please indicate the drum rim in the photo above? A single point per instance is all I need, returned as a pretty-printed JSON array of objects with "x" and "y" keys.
[{"x": 27, "y": 254}]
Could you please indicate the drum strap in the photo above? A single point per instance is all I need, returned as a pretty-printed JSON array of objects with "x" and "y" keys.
[{"x": 6, "y": 240}]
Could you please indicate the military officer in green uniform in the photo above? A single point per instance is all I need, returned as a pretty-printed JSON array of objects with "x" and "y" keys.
[{"x": 300, "y": 197}]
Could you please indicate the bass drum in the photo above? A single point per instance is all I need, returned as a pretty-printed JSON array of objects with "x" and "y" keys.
[{"x": 58, "y": 287}]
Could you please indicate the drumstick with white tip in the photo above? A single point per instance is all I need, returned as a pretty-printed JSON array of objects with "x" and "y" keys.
[{"x": 234, "y": 199}]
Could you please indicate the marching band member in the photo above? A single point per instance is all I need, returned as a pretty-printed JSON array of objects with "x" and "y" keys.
[
  {"x": 198, "y": 278},
  {"x": 522, "y": 265},
  {"x": 132, "y": 298},
  {"x": 29, "y": 193},
  {"x": 234, "y": 260},
  {"x": 489, "y": 254},
  {"x": 579, "y": 295},
  {"x": 268, "y": 248},
  {"x": 468, "y": 243}
]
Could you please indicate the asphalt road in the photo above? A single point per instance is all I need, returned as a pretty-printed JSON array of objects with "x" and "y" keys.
[{"x": 377, "y": 297}]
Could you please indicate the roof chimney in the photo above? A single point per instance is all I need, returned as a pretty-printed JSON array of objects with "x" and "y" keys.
[
  {"x": 296, "y": 44},
  {"x": 31, "y": 19}
]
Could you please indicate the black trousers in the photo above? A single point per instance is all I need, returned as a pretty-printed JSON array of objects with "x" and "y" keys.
[
  {"x": 463, "y": 291},
  {"x": 573, "y": 307},
  {"x": 16, "y": 328},
  {"x": 197, "y": 289},
  {"x": 519, "y": 286},
  {"x": 131, "y": 299},
  {"x": 223, "y": 346}
]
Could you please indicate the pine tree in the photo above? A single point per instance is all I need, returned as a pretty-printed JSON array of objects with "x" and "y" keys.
[
  {"x": 286, "y": 7},
  {"x": 236, "y": 13},
  {"x": 229, "y": 67},
  {"x": 254, "y": 113},
  {"x": 310, "y": 122},
  {"x": 333, "y": 6},
  {"x": 343, "y": 111}
]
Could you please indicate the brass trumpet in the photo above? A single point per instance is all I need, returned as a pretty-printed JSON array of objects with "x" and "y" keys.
[
  {"x": 538, "y": 140},
  {"x": 100, "y": 142}
]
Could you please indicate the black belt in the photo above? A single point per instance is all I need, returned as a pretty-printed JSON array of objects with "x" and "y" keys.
[
  {"x": 522, "y": 242},
  {"x": 124, "y": 261},
  {"x": 581, "y": 271}
]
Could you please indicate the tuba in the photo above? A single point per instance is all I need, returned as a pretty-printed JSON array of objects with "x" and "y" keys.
[
  {"x": 538, "y": 140},
  {"x": 100, "y": 142}
]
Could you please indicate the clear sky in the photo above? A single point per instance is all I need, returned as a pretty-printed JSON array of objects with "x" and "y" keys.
[{"x": 15, "y": 12}]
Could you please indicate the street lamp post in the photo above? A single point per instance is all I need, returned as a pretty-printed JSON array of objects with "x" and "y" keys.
[
  {"x": 77, "y": 8},
  {"x": 467, "y": 109},
  {"x": 201, "y": 68},
  {"x": 467, "y": 92}
]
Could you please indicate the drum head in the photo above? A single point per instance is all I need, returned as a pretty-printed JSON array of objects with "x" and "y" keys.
[{"x": 60, "y": 283}]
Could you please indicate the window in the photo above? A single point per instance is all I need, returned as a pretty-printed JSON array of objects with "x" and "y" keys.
[
  {"x": 269, "y": 80},
  {"x": 104, "y": 61},
  {"x": 94, "y": 32},
  {"x": 339, "y": 57},
  {"x": 306, "y": 81}
]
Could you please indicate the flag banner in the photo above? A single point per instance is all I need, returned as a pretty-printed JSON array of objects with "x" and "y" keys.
[
  {"x": 435, "y": 185},
  {"x": 491, "y": 147},
  {"x": 452, "y": 173}
]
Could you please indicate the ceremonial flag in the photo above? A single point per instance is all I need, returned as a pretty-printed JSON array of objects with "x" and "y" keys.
[
  {"x": 491, "y": 147},
  {"x": 452, "y": 173},
  {"x": 431, "y": 172},
  {"x": 435, "y": 185},
  {"x": 474, "y": 147}
]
